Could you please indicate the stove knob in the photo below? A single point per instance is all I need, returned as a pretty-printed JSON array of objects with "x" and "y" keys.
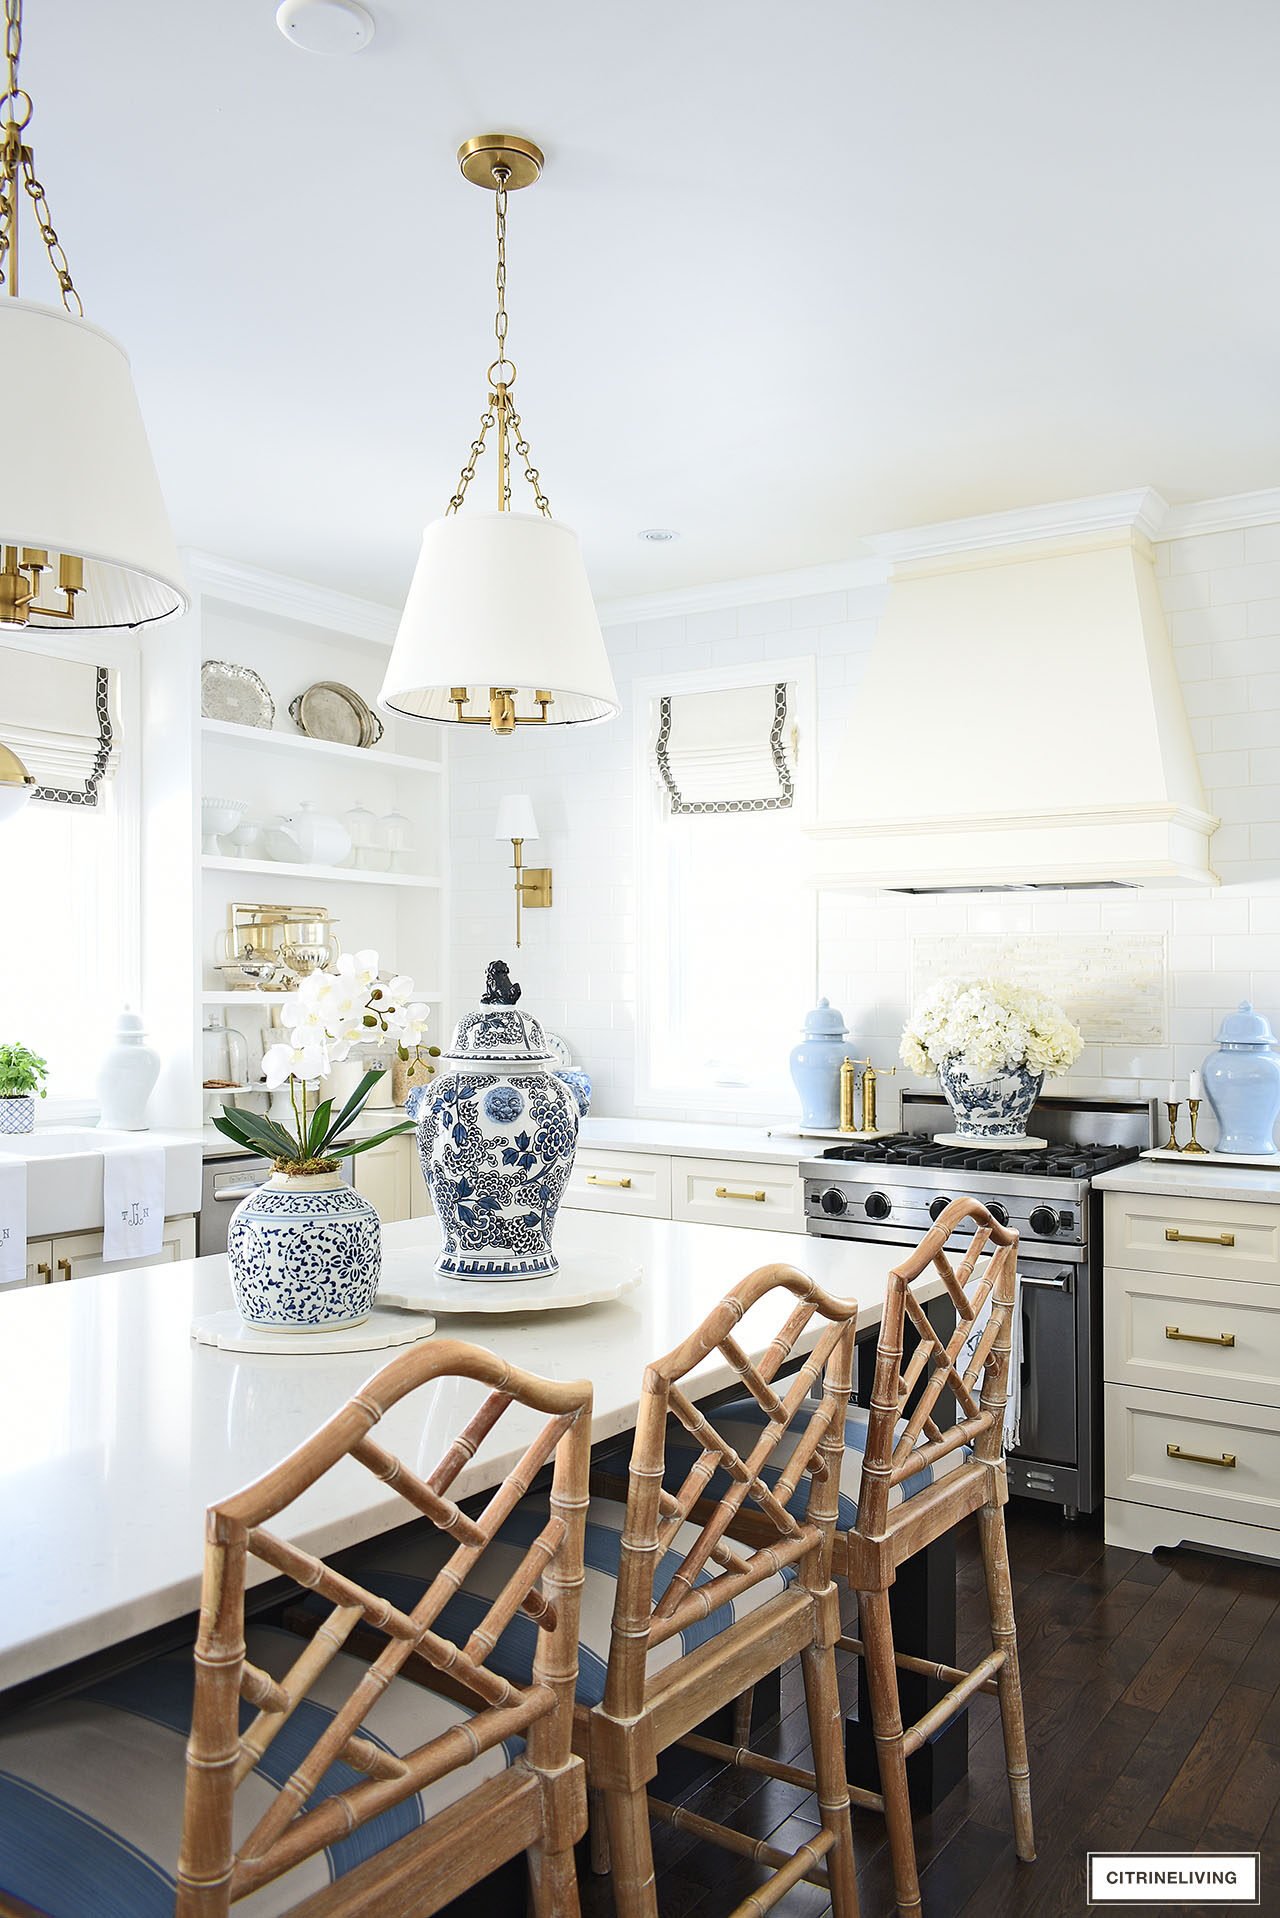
[
  {"x": 937, "y": 1207},
  {"x": 877, "y": 1206},
  {"x": 1000, "y": 1213},
  {"x": 833, "y": 1202},
  {"x": 1044, "y": 1220}
]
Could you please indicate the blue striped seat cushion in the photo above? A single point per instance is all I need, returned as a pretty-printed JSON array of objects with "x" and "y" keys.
[
  {"x": 91, "y": 1786},
  {"x": 743, "y": 1420},
  {"x": 402, "y": 1565}
]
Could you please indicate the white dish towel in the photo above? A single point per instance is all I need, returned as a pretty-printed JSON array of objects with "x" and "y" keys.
[
  {"x": 132, "y": 1202},
  {"x": 13, "y": 1221},
  {"x": 1013, "y": 1404}
]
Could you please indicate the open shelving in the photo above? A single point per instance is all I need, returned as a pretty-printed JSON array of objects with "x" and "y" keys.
[
  {"x": 316, "y": 749},
  {"x": 324, "y": 875}
]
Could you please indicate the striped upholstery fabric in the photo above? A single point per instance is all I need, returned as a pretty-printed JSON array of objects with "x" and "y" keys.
[
  {"x": 401, "y": 1566},
  {"x": 91, "y": 1787},
  {"x": 743, "y": 1420}
]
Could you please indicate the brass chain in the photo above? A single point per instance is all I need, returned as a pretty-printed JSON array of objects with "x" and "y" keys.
[
  {"x": 18, "y": 164},
  {"x": 502, "y": 364}
]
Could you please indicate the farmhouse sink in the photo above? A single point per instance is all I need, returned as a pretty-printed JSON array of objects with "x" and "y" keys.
[{"x": 64, "y": 1174}]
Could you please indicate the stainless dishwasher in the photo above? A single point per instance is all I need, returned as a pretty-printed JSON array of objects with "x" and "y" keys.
[{"x": 227, "y": 1181}]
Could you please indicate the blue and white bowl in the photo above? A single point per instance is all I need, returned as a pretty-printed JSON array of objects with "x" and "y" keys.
[
  {"x": 497, "y": 1133},
  {"x": 992, "y": 1108},
  {"x": 305, "y": 1254}
]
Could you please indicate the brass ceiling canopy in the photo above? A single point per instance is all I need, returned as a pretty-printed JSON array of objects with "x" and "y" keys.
[{"x": 487, "y": 158}]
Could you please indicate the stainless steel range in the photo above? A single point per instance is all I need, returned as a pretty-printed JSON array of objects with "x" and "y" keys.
[{"x": 891, "y": 1189}]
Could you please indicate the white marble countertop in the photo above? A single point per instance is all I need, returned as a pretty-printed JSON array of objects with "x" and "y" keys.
[
  {"x": 117, "y": 1430},
  {"x": 1166, "y": 1179},
  {"x": 686, "y": 1139}
]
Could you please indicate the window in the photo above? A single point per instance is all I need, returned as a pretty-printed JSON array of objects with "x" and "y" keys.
[
  {"x": 728, "y": 921},
  {"x": 68, "y": 958}
]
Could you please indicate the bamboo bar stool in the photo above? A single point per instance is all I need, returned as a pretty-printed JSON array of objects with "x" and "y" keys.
[
  {"x": 643, "y": 1712},
  {"x": 318, "y": 1784}
]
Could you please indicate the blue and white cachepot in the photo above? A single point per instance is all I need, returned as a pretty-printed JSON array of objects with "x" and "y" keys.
[
  {"x": 18, "y": 1112},
  {"x": 990, "y": 1108},
  {"x": 305, "y": 1253},
  {"x": 497, "y": 1133}
]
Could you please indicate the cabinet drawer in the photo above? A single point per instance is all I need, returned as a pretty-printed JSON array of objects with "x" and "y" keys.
[
  {"x": 1225, "y": 1463},
  {"x": 620, "y": 1182},
  {"x": 737, "y": 1192},
  {"x": 1216, "y": 1336},
  {"x": 1216, "y": 1238}
]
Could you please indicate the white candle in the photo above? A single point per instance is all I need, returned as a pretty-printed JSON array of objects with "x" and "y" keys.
[
  {"x": 1196, "y": 1089},
  {"x": 1173, "y": 1091}
]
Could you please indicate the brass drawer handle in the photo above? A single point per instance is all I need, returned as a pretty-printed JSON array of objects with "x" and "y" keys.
[
  {"x": 723, "y": 1192},
  {"x": 1175, "y": 1237},
  {"x": 1201, "y": 1458},
  {"x": 1199, "y": 1338},
  {"x": 64, "y": 1267},
  {"x": 622, "y": 1185},
  {"x": 43, "y": 1272}
]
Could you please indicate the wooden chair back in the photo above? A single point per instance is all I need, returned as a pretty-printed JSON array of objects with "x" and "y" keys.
[
  {"x": 212, "y": 1871},
  {"x": 937, "y": 1365},
  {"x": 644, "y": 1618}
]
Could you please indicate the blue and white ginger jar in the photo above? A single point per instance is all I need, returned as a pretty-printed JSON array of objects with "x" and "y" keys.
[
  {"x": 305, "y": 1253},
  {"x": 1242, "y": 1081},
  {"x": 992, "y": 1108},
  {"x": 497, "y": 1133}
]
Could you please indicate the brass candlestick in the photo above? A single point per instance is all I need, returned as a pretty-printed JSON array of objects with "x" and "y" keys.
[
  {"x": 1193, "y": 1111},
  {"x": 1171, "y": 1143}
]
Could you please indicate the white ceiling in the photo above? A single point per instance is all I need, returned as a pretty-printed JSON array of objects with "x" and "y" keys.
[{"x": 796, "y": 272}]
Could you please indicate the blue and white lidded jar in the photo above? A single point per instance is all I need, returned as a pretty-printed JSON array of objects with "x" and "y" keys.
[
  {"x": 497, "y": 1133},
  {"x": 815, "y": 1066},
  {"x": 305, "y": 1252},
  {"x": 1242, "y": 1084}
]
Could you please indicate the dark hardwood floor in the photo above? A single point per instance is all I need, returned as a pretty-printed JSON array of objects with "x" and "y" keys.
[{"x": 1152, "y": 1691}]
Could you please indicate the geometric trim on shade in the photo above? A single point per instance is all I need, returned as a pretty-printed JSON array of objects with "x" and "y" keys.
[
  {"x": 88, "y": 793},
  {"x": 776, "y": 802}
]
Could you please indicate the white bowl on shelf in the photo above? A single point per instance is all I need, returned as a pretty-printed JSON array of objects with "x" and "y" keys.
[
  {"x": 321, "y": 839},
  {"x": 218, "y": 817}
]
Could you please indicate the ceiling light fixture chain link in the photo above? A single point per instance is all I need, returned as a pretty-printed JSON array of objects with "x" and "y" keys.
[{"x": 17, "y": 167}]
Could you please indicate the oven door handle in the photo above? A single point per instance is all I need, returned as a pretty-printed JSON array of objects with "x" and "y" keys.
[{"x": 1062, "y": 1283}]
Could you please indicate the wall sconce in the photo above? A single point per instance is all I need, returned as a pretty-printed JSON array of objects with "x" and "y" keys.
[{"x": 517, "y": 823}]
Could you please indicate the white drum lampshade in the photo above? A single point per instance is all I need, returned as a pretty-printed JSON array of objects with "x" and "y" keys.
[
  {"x": 79, "y": 478},
  {"x": 500, "y": 600},
  {"x": 515, "y": 818}
]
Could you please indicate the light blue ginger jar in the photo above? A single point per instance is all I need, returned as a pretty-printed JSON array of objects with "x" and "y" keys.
[
  {"x": 1242, "y": 1084},
  {"x": 815, "y": 1066},
  {"x": 497, "y": 1133},
  {"x": 305, "y": 1252}
]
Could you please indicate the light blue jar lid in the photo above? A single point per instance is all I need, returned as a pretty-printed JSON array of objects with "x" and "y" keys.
[
  {"x": 1245, "y": 1027},
  {"x": 824, "y": 1021}
]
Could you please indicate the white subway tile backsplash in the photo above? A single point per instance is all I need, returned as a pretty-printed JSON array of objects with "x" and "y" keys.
[{"x": 1206, "y": 552}]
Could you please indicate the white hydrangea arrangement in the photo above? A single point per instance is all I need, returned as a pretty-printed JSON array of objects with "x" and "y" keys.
[{"x": 992, "y": 1025}]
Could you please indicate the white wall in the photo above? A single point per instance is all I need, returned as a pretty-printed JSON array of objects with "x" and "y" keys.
[{"x": 1221, "y": 592}]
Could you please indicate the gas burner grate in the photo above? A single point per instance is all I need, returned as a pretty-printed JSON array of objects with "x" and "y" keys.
[{"x": 1066, "y": 1161}]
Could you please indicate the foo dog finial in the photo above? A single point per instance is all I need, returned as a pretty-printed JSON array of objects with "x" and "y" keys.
[{"x": 500, "y": 989}]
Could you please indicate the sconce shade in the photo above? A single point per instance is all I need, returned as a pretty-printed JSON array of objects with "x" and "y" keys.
[
  {"x": 16, "y": 784},
  {"x": 515, "y": 818},
  {"x": 500, "y": 600},
  {"x": 79, "y": 477}
]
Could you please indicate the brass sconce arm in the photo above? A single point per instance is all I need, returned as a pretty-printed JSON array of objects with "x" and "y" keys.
[{"x": 532, "y": 883}]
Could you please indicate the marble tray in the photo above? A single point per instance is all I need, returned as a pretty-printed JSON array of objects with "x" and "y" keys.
[
  {"x": 410, "y": 1282},
  {"x": 1025, "y": 1142},
  {"x": 228, "y": 1331},
  {"x": 1266, "y": 1161}
]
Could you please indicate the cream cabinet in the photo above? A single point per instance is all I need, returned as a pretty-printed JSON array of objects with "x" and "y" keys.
[
  {"x": 390, "y": 1178},
  {"x": 78, "y": 1255},
  {"x": 703, "y": 1191},
  {"x": 1191, "y": 1365},
  {"x": 638, "y": 1182}
]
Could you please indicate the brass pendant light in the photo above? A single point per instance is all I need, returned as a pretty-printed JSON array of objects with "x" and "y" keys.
[
  {"x": 84, "y": 539},
  {"x": 499, "y": 628}
]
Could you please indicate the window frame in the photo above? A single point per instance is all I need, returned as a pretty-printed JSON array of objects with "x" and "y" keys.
[
  {"x": 120, "y": 653},
  {"x": 652, "y": 1097}
]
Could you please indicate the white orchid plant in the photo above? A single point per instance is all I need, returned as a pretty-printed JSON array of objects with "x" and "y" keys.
[
  {"x": 328, "y": 1015},
  {"x": 991, "y": 1025}
]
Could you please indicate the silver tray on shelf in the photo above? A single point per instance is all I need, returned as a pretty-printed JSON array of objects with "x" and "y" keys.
[
  {"x": 336, "y": 713},
  {"x": 235, "y": 694}
]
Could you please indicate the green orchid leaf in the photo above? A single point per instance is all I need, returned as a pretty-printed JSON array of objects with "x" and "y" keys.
[
  {"x": 348, "y": 1148},
  {"x": 356, "y": 1101},
  {"x": 319, "y": 1128}
]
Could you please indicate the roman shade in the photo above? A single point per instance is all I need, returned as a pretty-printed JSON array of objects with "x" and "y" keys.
[
  {"x": 725, "y": 751},
  {"x": 55, "y": 714}
]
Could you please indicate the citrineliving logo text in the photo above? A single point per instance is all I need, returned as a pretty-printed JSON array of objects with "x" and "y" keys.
[{"x": 1174, "y": 1878}]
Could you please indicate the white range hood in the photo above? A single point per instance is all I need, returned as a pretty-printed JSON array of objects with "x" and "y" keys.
[{"x": 1020, "y": 724}]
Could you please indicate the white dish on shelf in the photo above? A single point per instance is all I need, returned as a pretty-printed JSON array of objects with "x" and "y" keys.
[
  {"x": 235, "y": 694},
  {"x": 218, "y": 819}
]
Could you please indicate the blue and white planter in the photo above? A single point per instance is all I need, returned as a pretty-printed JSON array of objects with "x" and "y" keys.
[
  {"x": 18, "y": 1112},
  {"x": 497, "y": 1133},
  {"x": 993, "y": 1108},
  {"x": 305, "y": 1254}
]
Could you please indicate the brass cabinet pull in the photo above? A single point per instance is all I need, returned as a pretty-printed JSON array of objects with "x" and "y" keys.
[
  {"x": 1200, "y": 1338},
  {"x": 723, "y": 1192},
  {"x": 44, "y": 1272},
  {"x": 622, "y": 1185},
  {"x": 1175, "y": 1237},
  {"x": 64, "y": 1267},
  {"x": 1201, "y": 1458}
]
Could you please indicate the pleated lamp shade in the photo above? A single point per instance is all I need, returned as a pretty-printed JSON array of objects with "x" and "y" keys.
[
  {"x": 79, "y": 476},
  {"x": 500, "y": 600}
]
